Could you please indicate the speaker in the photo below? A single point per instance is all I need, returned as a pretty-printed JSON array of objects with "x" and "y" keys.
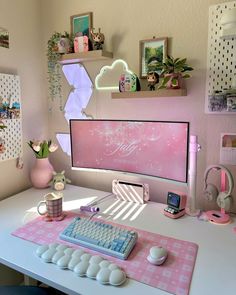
[{"x": 211, "y": 192}]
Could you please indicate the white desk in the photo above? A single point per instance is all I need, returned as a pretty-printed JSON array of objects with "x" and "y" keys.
[{"x": 215, "y": 267}]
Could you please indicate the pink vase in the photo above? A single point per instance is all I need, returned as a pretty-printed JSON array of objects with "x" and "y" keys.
[
  {"x": 41, "y": 173},
  {"x": 178, "y": 81}
]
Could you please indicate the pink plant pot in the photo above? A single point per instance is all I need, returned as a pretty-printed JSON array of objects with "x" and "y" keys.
[
  {"x": 176, "y": 76},
  {"x": 41, "y": 173}
]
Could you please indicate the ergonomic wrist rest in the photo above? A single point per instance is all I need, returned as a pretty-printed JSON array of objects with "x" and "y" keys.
[{"x": 82, "y": 263}]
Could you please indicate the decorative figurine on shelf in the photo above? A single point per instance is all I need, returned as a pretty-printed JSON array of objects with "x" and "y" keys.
[
  {"x": 59, "y": 181},
  {"x": 81, "y": 43},
  {"x": 98, "y": 39},
  {"x": 153, "y": 79},
  {"x": 129, "y": 82}
]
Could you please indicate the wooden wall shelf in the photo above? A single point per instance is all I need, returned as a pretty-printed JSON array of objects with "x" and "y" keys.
[
  {"x": 149, "y": 94},
  {"x": 85, "y": 56}
]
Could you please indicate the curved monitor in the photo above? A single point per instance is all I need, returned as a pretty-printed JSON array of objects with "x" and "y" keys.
[{"x": 154, "y": 148}]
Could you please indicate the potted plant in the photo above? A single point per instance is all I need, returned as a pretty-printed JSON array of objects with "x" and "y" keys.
[
  {"x": 173, "y": 70},
  {"x": 57, "y": 45}
]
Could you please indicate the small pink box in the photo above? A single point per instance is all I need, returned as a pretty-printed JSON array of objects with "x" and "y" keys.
[{"x": 81, "y": 44}]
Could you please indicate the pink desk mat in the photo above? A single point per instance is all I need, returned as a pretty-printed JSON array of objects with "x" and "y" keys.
[{"x": 174, "y": 276}]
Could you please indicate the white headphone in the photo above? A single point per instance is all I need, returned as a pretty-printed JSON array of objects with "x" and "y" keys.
[{"x": 211, "y": 192}]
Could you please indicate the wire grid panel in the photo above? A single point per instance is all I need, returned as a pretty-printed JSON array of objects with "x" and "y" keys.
[
  {"x": 221, "y": 64},
  {"x": 10, "y": 116}
]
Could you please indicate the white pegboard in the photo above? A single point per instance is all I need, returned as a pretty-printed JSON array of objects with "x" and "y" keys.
[
  {"x": 221, "y": 63},
  {"x": 10, "y": 116}
]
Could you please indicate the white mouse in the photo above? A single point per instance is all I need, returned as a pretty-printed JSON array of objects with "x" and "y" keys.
[{"x": 157, "y": 255}]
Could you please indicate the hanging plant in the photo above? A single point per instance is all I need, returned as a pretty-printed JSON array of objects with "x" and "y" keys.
[{"x": 58, "y": 44}]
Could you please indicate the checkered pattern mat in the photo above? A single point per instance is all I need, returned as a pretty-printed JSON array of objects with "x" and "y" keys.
[{"x": 174, "y": 276}]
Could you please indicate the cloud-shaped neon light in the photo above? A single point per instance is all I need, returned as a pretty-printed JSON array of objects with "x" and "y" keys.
[{"x": 104, "y": 70}]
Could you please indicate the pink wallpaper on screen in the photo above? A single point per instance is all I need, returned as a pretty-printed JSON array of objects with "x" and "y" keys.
[{"x": 151, "y": 148}]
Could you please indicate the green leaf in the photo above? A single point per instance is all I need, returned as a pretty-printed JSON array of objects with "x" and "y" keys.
[
  {"x": 164, "y": 81},
  {"x": 176, "y": 60},
  {"x": 45, "y": 150},
  {"x": 174, "y": 82},
  {"x": 185, "y": 76},
  {"x": 187, "y": 68},
  {"x": 40, "y": 153},
  {"x": 161, "y": 87}
]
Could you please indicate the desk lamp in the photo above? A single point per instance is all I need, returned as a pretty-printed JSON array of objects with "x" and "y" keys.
[{"x": 194, "y": 148}]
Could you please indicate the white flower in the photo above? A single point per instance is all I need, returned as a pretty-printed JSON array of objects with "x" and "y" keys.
[
  {"x": 53, "y": 147},
  {"x": 42, "y": 149},
  {"x": 36, "y": 146}
]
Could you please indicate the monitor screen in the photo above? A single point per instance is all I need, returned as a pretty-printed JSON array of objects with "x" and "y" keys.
[{"x": 154, "y": 148}]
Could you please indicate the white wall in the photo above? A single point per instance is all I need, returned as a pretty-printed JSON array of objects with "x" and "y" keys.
[
  {"x": 24, "y": 58},
  {"x": 124, "y": 23}
]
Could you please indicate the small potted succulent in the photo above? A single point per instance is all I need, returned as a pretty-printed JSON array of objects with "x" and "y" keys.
[
  {"x": 172, "y": 71},
  {"x": 57, "y": 45}
]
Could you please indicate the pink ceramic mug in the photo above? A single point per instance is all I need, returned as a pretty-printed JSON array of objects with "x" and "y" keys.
[{"x": 52, "y": 204}]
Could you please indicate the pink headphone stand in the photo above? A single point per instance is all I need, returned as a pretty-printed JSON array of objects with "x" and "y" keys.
[{"x": 218, "y": 217}]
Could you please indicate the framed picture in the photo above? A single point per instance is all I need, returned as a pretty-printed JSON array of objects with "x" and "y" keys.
[
  {"x": 81, "y": 23},
  {"x": 151, "y": 51}
]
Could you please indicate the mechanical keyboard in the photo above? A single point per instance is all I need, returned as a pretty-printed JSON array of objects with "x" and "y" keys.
[{"x": 100, "y": 236}]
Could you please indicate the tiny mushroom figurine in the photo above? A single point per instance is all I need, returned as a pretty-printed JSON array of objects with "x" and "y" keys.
[
  {"x": 59, "y": 181},
  {"x": 98, "y": 39},
  {"x": 153, "y": 79}
]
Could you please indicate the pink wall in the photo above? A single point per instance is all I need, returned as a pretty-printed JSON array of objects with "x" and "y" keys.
[{"x": 185, "y": 23}]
